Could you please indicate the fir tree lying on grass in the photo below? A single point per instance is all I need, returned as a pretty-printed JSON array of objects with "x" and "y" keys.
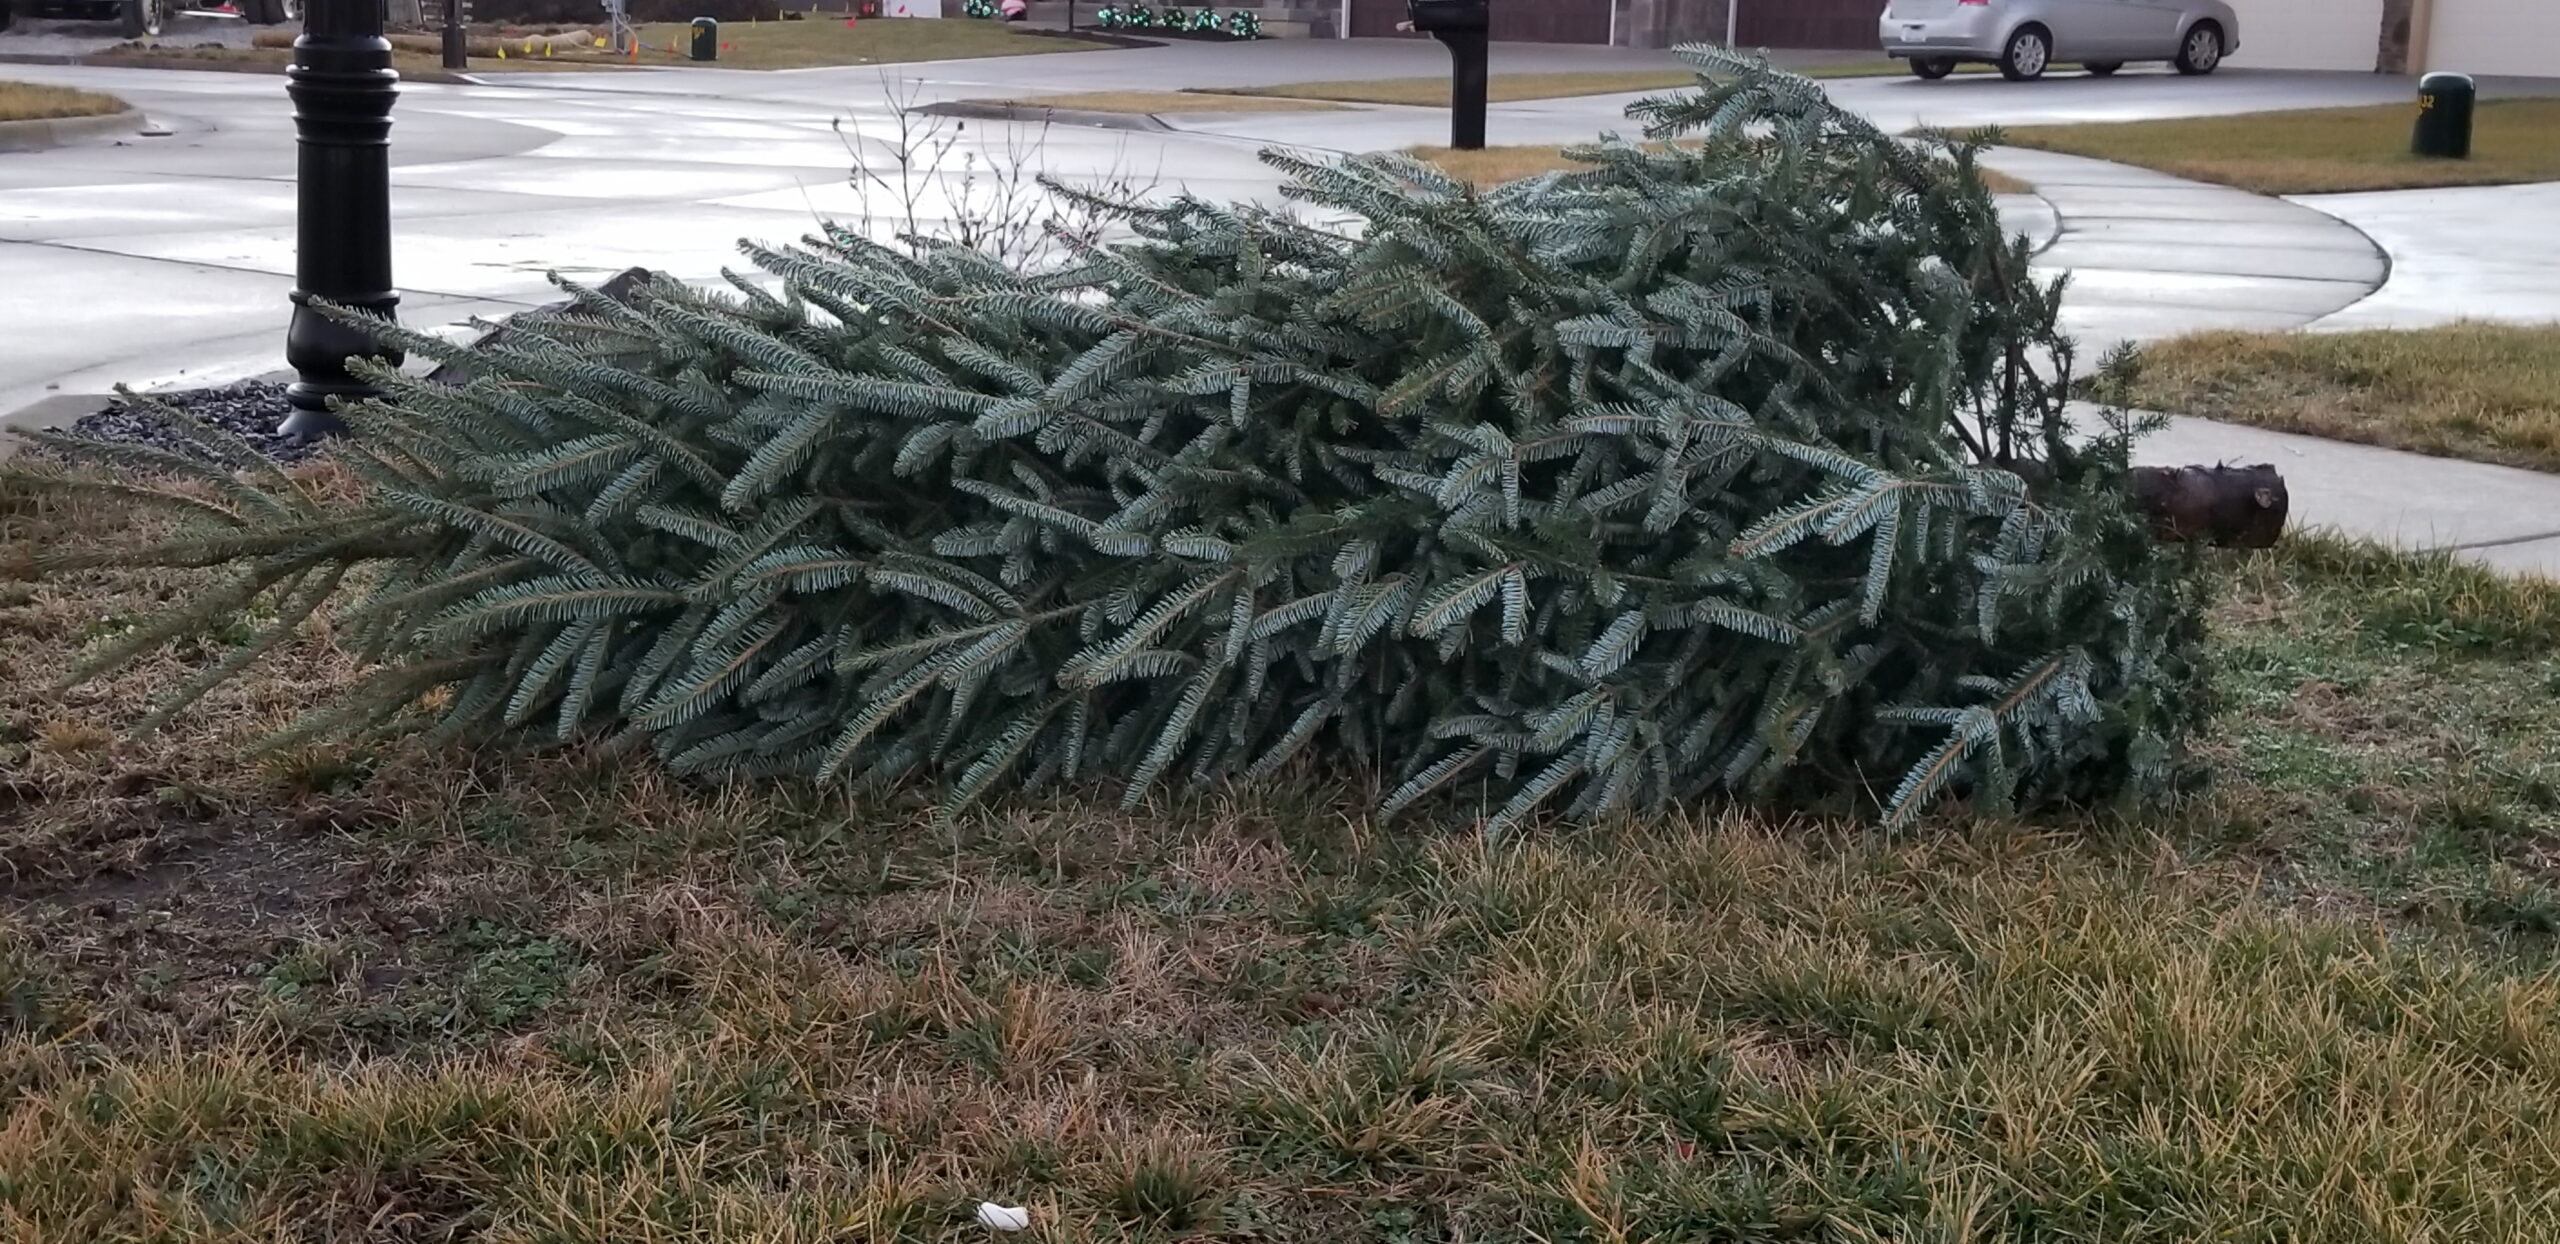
[{"x": 1684, "y": 473}]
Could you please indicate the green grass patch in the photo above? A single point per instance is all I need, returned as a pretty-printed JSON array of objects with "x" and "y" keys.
[
  {"x": 2320, "y": 151},
  {"x": 2489, "y": 392},
  {"x": 2386, "y": 741}
]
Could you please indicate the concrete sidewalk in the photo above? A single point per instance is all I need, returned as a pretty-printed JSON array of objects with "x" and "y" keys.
[
  {"x": 2467, "y": 252},
  {"x": 2151, "y": 256}
]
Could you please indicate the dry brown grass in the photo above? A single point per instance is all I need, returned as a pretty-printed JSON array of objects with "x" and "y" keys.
[
  {"x": 1504, "y": 88},
  {"x": 1494, "y": 165},
  {"x": 1151, "y": 102},
  {"x": 398, "y": 992},
  {"x": 27, "y": 101},
  {"x": 2320, "y": 151},
  {"x": 481, "y": 45},
  {"x": 2490, "y": 392},
  {"x": 414, "y": 66}
]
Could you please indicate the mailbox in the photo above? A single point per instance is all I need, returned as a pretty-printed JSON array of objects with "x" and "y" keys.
[
  {"x": 1433, "y": 17},
  {"x": 2446, "y": 102},
  {"x": 1465, "y": 27}
]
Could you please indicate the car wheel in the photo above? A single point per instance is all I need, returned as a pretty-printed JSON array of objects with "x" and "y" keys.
[
  {"x": 142, "y": 19},
  {"x": 2029, "y": 54},
  {"x": 7, "y": 15},
  {"x": 1932, "y": 67},
  {"x": 2202, "y": 52},
  {"x": 271, "y": 12},
  {"x": 2103, "y": 68}
]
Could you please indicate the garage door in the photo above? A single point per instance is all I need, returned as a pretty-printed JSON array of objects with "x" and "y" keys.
[
  {"x": 2496, "y": 37},
  {"x": 2310, "y": 34},
  {"x": 1809, "y": 23},
  {"x": 1537, "y": 21}
]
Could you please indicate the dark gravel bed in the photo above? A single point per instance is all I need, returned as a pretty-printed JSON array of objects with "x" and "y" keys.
[{"x": 250, "y": 410}]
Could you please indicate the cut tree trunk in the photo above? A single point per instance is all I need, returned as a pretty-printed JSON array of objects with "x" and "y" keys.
[{"x": 2227, "y": 506}]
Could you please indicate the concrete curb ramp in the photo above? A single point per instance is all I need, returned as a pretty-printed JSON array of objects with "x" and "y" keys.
[
  {"x": 50, "y": 132},
  {"x": 2154, "y": 256}
]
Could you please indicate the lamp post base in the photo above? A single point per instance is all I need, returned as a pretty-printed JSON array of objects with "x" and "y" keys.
[
  {"x": 318, "y": 347},
  {"x": 342, "y": 86}
]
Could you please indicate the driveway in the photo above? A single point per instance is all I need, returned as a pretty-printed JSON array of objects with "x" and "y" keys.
[{"x": 162, "y": 259}]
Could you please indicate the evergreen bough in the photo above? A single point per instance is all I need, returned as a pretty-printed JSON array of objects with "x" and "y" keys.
[{"x": 1731, "y": 463}]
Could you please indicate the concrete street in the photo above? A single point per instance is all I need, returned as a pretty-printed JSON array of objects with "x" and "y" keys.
[{"x": 166, "y": 260}]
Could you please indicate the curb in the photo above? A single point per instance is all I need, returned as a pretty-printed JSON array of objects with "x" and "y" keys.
[
  {"x": 50, "y": 132},
  {"x": 47, "y": 414},
  {"x": 1031, "y": 110}
]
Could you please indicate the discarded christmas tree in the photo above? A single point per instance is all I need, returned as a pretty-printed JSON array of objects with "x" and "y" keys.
[{"x": 1683, "y": 474}]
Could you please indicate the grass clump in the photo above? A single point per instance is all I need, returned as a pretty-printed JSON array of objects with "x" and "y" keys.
[
  {"x": 2488, "y": 392},
  {"x": 28, "y": 101},
  {"x": 2321, "y": 150}
]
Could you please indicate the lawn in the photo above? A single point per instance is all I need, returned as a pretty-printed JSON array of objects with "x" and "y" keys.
[
  {"x": 1151, "y": 102},
  {"x": 408, "y": 55},
  {"x": 1515, "y": 87},
  {"x": 27, "y": 101},
  {"x": 2485, "y": 391},
  {"x": 421, "y": 993},
  {"x": 1494, "y": 165},
  {"x": 1503, "y": 88},
  {"x": 820, "y": 42},
  {"x": 2320, "y": 151}
]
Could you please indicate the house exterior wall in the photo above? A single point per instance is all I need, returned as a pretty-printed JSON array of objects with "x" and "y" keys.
[
  {"x": 2309, "y": 34},
  {"x": 2481, "y": 37},
  {"x": 1666, "y": 23},
  {"x": 1845, "y": 24},
  {"x": 1514, "y": 21}
]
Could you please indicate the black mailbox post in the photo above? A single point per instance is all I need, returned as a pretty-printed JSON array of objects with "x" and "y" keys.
[{"x": 1466, "y": 26}]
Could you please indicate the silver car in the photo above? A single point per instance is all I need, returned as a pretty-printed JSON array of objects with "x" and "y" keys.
[{"x": 2026, "y": 37}]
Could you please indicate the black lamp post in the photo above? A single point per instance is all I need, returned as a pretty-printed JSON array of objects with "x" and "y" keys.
[
  {"x": 1466, "y": 28},
  {"x": 457, "y": 48},
  {"x": 342, "y": 84}
]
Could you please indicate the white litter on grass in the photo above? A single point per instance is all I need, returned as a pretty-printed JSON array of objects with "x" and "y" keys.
[{"x": 1003, "y": 1217}]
